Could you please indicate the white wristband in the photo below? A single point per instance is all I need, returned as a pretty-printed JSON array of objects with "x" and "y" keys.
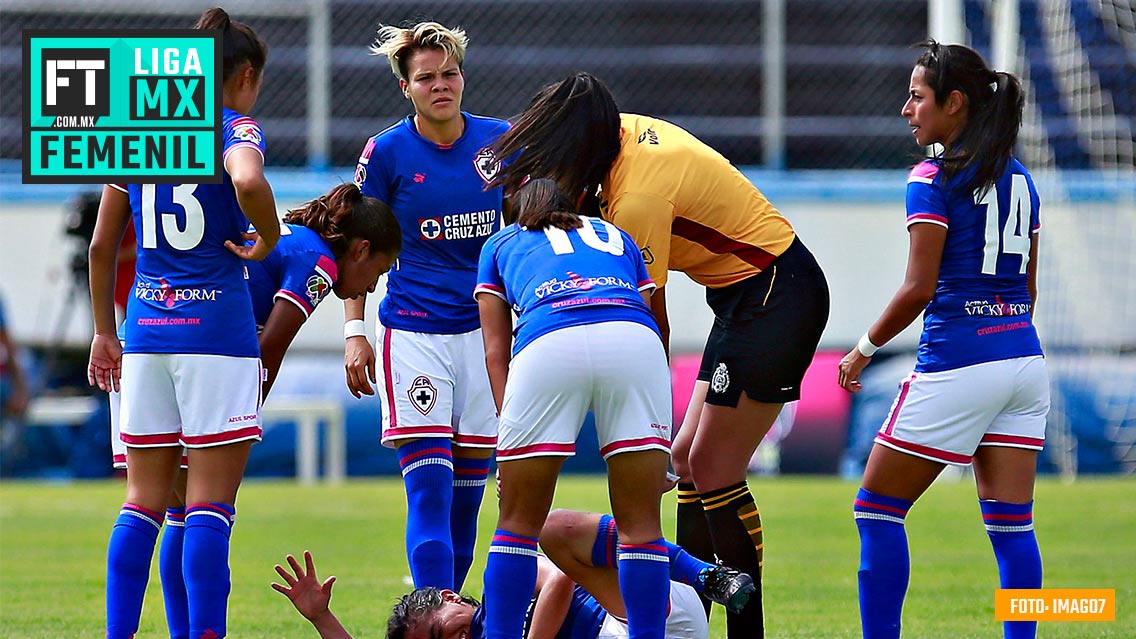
[
  {"x": 866, "y": 347},
  {"x": 354, "y": 328}
]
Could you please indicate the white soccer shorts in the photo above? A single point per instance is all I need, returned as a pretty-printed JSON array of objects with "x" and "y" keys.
[
  {"x": 945, "y": 416},
  {"x": 435, "y": 386},
  {"x": 686, "y": 618},
  {"x": 117, "y": 446},
  {"x": 618, "y": 370},
  {"x": 196, "y": 401}
]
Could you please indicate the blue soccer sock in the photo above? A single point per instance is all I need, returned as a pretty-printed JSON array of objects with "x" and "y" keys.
[
  {"x": 510, "y": 579},
  {"x": 885, "y": 565},
  {"x": 644, "y": 583},
  {"x": 1010, "y": 528},
  {"x": 428, "y": 476},
  {"x": 205, "y": 566},
  {"x": 685, "y": 567},
  {"x": 605, "y": 549},
  {"x": 470, "y": 475},
  {"x": 169, "y": 567},
  {"x": 129, "y": 552}
]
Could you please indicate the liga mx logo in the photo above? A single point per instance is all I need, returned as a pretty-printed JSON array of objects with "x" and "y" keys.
[{"x": 122, "y": 105}]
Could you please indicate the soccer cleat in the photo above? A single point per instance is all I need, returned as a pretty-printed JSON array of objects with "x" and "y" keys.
[{"x": 728, "y": 586}]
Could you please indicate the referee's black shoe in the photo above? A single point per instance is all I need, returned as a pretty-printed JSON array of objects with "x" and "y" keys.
[{"x": 728, "y": 586}]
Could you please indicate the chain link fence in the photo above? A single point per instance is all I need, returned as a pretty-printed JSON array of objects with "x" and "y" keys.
[{"x": 700, "y": 63}]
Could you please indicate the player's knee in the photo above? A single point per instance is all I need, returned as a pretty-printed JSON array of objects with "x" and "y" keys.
[
  {"x": 680, "y": 459},
  {"x": 703, "y": 467},
  {"x": 560, "y": 526}
]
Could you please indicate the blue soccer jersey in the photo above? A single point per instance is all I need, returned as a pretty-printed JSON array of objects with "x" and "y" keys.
[
  {"x": 981, "y": 309},
  {"x": 584, "y": 619},
  {"x": 554, "y": 279},
  {"x": 301, "y": 269},
  {"x": 438, "y": 195},
  {"x": 189, "y": 292}
]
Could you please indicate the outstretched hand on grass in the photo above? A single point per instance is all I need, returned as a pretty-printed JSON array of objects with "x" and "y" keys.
[{"x": 311, "y": 598}]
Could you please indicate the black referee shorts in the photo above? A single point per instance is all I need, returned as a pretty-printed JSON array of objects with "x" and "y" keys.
[{"x": 766, "y": 331}]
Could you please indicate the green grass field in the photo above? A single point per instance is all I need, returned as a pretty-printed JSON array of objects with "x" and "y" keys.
[{"x": 53, "y": 538}]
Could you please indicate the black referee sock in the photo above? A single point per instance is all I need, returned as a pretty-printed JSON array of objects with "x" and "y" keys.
[
  {"x": 735, "y": 528},
  {"x": 692, "y": 530}
]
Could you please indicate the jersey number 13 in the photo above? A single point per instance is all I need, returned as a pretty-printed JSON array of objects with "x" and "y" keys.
[{"x": 182, "y": 239}]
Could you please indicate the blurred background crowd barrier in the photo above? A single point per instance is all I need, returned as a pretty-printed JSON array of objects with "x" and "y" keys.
[{"x": 803, "y": 95}]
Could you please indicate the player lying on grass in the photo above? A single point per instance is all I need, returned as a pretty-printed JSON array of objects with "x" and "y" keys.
[{"x": 577, "y": 591}]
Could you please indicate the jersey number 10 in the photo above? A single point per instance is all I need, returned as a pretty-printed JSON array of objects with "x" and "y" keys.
[
  {"x": 182, "y": 239},
  {"x": 562, "y": 244},
  {"x": 1014, "y": 237}
]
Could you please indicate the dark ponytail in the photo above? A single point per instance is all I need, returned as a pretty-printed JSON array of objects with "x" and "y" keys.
[
  {"x": 994, "y": 112},
  {"x": 240, "y": 43},
  {"x": 344, "y": 214},
  {"x": 540, "y": 204},
  {"x": 569, "y": 132}
]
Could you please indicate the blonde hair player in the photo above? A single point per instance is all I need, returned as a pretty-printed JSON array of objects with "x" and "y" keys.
[{"x": 432, "y": 168}]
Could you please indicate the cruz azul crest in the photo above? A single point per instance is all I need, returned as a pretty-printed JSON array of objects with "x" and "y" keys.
[
  {"x": 486, "y": 164},
  {"x": 422, "y": 394}
]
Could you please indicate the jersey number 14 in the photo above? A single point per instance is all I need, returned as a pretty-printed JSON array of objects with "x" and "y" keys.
[{"x": 1014, "y": 237}]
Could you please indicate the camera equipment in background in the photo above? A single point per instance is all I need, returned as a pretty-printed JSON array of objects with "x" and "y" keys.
[{"x": 81, "y": 227}]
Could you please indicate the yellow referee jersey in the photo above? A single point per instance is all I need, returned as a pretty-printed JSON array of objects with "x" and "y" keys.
[{"x": 688, "y": 208}]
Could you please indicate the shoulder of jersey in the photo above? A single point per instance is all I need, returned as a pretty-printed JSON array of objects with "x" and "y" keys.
[
  {"x": 488, "y": 122},
  {"x": 392, "y": 136},
  {"x": 923, "y": 173},
  {"x": 505, "y": 234},
  {"x": 391, "y": 132},
  {"x": 232, "y": 118},
  {"x": 303, "y": 238}
]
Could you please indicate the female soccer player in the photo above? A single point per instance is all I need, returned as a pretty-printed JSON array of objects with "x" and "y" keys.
[
  {"x": 689, "y": 210},
  {"x": 191, "y": 370},
  {"x": 576, "y": 595},
  {"x": 585, "y": 340},
  {"x": 980, "y": 392},
  {"x": 341, "y": 241},
  {"x": 432, "y": 168}
]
